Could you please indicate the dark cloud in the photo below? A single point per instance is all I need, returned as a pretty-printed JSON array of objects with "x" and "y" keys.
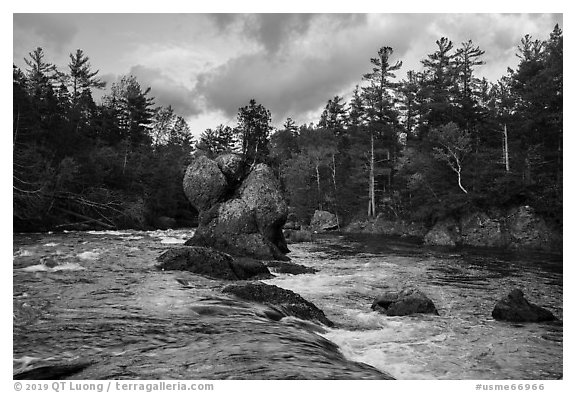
[
  {"x": 275, "y": 31},
  {"x": 54, "y": 30},
  {"x": 290, "y": 85},
  {"x": 166, "y": 91}
]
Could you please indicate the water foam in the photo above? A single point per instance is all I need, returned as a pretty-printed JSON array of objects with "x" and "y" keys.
[{"x": 88, "y": 255}]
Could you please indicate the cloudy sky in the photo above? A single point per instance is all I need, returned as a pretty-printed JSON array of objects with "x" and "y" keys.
[{"x": 208, "y": 65}]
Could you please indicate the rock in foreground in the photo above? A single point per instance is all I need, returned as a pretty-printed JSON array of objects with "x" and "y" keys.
[
  {"x": 284, "y": 300},
  {"x": 406, "y": 302},
  {"x": 515, "y": 308},
  {"x": 211, "y": 263}
]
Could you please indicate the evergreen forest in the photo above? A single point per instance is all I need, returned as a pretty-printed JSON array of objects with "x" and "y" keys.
[{"x": 436, "y": 143}]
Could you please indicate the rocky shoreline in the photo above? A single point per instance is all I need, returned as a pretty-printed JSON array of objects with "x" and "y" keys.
[{"x": 516, "y": 229}]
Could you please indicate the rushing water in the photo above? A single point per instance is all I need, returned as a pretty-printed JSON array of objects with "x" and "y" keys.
[{"x": 94, "y": 299}]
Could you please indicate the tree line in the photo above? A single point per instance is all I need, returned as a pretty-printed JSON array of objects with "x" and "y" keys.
[
  {"x": 440, "y": 142},
  {"x": 78, "y": 164}
]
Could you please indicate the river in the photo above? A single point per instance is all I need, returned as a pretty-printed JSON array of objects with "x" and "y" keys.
[{"x": 95, "y": 300}]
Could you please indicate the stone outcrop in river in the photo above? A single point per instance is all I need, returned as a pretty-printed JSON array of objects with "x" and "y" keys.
[
  {"x": 515, "y": 308},
  {"x": 239, "y": 213},
  {"x": 211, "y": 263},
  {"x": 407, "y": 301},
  {"x": 283, "y": 300}
]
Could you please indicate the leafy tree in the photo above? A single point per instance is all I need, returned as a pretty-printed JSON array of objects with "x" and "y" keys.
[{"x": 453, "y": 146}]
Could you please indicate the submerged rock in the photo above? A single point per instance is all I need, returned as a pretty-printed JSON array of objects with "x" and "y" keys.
[
  {"x": 290, "y": 268},
  {"x": 515, "y": 308},
  {"x": 324, "y": 221},
  {"x": 211, "y": 263},
  {"x": 406, "y": 302},
  {"x": 284, "y": 300},
  {"x": 54, "y": 372}
]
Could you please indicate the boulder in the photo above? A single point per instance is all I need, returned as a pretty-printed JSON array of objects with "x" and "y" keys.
[
  {"x": 384, "y": 226},
  {"x": 515, "y": 308},
  {"x": 527, "y": 230},
  {"x": 406, "y": 302},
  {"x": 204, "y": 183},
  {"x": 479, "y": 230},
  {"x": 211, "y": 263},
  {"x": 252, "y": 245},
  {"x": 359, "y": 225},
  {"x": 301, "y": 236},
  {"x": 444, "y": 233},
  {"x": 261, "y": 193},
  {"x": 232, "y": 166},
  {"x": 285, "y": 301},
  {"x": 289, "y": 268},
  {"x": 324, "y": 221},
  {"x": 251, "y": 269}
]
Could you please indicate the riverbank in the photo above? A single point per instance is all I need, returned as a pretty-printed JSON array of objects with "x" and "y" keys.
[{"x": 518, "y": 228}]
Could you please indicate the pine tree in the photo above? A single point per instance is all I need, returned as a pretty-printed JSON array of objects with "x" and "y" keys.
[
  {"x": 382, "y": 117},
  {"x": 81, "y": 76},
  {"x": 253, "y": 132},
  {"x": 438, "y": 87}
]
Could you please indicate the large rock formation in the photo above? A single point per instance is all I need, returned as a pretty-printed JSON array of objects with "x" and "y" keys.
[
  {"x": 515, "y": 308},
  {"x": 406, "y": 302},
  {"x": 239, "y": 214},
  {"x": 283, "y": 300}
]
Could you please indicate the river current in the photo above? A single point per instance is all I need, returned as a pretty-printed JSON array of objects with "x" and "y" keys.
[{"x": 95, "y": 301}]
